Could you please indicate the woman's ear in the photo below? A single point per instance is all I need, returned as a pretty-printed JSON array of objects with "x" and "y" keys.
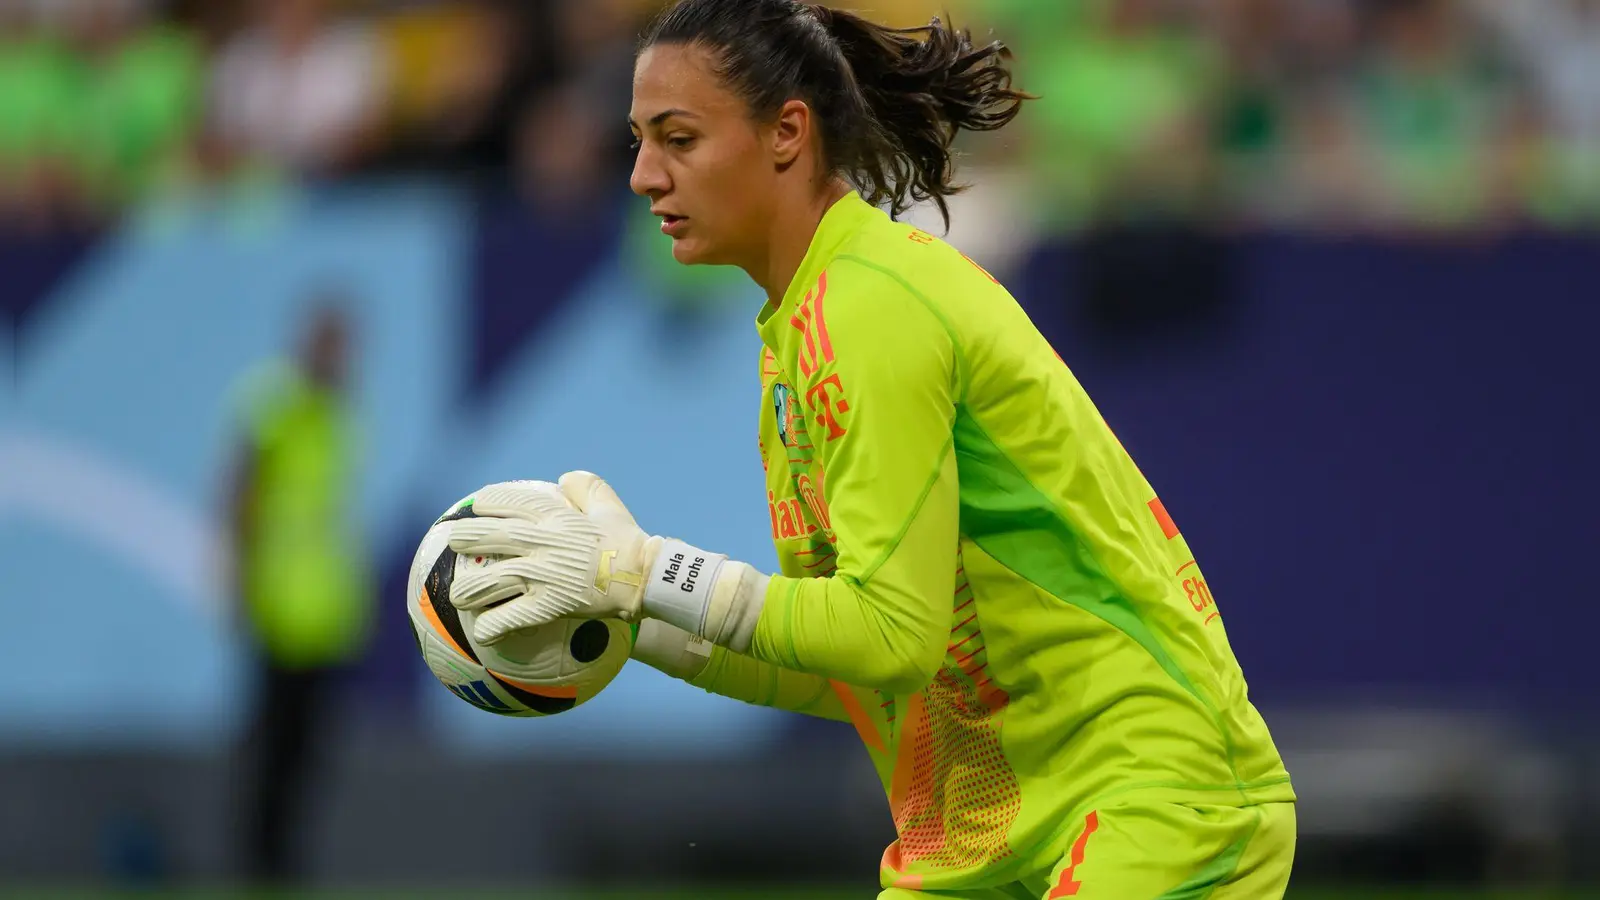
[{"x": 791, "y": 132}]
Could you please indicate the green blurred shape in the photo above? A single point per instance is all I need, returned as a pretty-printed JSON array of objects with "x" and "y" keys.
[{"x": 863, "y": 892}]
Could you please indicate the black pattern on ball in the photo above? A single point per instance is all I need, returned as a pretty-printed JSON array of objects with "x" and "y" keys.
[
  {"x": 464, "y": 511},
  {"x": 539, "y": 703},
  {"x": 589, "y": 641},
  {"x": 438, "y": 584}
]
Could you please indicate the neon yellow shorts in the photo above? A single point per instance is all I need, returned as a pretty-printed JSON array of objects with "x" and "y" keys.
[{"x": 1160, "y": 852}]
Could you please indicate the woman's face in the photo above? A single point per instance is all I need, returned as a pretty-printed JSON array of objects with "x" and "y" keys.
[{"x": 704, "y": 163}]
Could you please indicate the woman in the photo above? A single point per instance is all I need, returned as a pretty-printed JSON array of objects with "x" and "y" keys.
[{"x": 974, "y": 572}]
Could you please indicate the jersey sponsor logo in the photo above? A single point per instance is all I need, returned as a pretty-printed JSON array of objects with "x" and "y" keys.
[
  {"x": 826, "y": 398},
  {"x": 813, "y": 496},
  {"x": 788, "y": 521},
  {"x": 1197, "y": 592}
]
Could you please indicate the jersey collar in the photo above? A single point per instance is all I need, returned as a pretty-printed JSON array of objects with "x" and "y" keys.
[{"x": 840, "y": 223}]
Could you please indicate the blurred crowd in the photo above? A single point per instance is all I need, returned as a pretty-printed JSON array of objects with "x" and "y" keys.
[
  {"x": 1348, "y": 114},
  {"x": 105, "y": 103},
  {"x": 1354, "y": 115}
]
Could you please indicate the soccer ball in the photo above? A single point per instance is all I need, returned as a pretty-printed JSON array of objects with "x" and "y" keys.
[{"x": 536, "y": 672}]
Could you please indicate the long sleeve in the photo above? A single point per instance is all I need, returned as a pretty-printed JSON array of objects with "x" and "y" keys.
[
  {"x": 738, "y": 676},
  {"x": 718, "y": 670},
  {"x": 879, "y": 378}
]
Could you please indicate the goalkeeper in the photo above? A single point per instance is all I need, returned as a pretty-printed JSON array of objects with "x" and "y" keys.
[{"x": 972, "y": 570}]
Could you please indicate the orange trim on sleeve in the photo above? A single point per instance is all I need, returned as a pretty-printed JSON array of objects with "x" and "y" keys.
[
  {"x": 1067, "y": 887},
  {"x": 1168, "y": 527}
]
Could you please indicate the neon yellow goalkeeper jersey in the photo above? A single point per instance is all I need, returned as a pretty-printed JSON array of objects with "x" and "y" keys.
[{"x": 974, "y": 572}]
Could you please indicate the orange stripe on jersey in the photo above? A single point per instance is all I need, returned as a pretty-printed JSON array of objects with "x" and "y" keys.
[
  {"x": 900, "y": 783},
  {"x": 1067, "y": 887},
  {"x": 822, "y": 322},
  {"x": 426, "y": 603},
  {"x": 1168, "y": 527},
  {"x": 858, "y": 716},
  {"x": 543, "y": 690}
]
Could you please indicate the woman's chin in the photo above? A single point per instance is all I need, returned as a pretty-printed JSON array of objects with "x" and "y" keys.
[{"x": 691, "y": 252}]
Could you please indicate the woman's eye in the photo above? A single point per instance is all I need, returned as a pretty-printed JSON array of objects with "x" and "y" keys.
[
  {"x": 635, "y": 144},
  {"x": 680, "y": 142}
]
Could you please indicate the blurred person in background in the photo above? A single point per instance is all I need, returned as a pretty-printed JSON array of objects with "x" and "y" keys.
[
  {"x": 140, "y": 102},
  {"x": 1249, "y": 126},
  {"x": 1125, "y": 135},
  {"x": 299, "y": 89},
  {"x": 211, "y": 22},
  {"x": 1326, "y": 166},
  {"x": 1556, "y": 44},
  {"x": 301, "y": 576},
  {"x": 599, "y": 39},
  {"x": 98, "y": 104},
  {"x": 1319, "y": 165},
  {"x": 37, "y": 80},
  {"x": 1290, "y": 149},
  {"x": 560, "y": 167},
  {"x": 459, "y": 73},
  {"x": 1124, "y": 155},
  {"x": 1284, "y": 60},
  {"x": 1431, "y": 99}
]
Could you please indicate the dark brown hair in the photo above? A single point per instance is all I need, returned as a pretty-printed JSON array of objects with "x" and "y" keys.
[{"x": 889, "y": 101}]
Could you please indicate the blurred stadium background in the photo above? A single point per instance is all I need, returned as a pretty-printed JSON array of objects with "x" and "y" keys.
[{"x": 1330, "y": 268}]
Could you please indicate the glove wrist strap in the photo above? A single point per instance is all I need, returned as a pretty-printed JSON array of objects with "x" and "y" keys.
[
  {"x": 705, "y": 594},
  {"x": 671, "y": 650},
  {"x": 680, "y": 585}
]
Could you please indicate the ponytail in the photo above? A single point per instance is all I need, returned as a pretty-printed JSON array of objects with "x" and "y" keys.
[
  {"x": 889, "y": 101},
  {"x": 918, "y": 88}
]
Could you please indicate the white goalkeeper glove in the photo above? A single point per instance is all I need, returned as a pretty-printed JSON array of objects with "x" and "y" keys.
[{"x": 574, "y": 551}]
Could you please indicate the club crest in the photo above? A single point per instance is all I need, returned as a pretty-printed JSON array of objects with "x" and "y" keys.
[{"x": 781, "y": 398}]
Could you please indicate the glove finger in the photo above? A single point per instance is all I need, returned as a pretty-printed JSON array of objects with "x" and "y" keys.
[
  {"x": 555, "y": 581},
  {"x": 499, "y": 537},
  {"x": 565, "y": 534},
  {"x": 575, "y": 487},
  {"x": 532, "y": 500},
  {"x": 478, "y": 587},
  {"x": 594, "y": 496},
  {"x": 527, "y": 611}
]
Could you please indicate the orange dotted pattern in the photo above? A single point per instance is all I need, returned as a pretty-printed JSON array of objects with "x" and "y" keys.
[{"x": 962, "y": 795}]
